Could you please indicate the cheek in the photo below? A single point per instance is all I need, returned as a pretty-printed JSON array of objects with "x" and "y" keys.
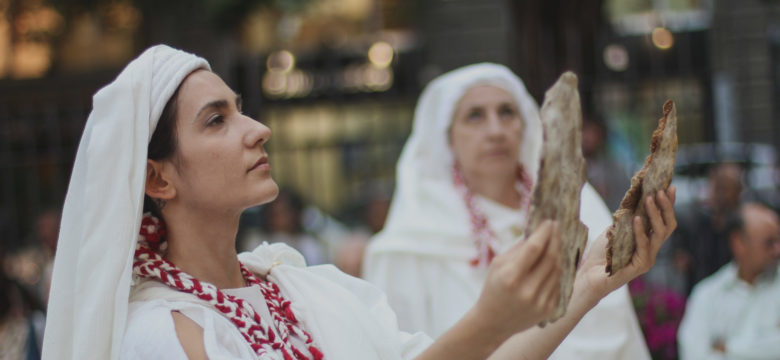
[
  {"x": 517, "y": 133},
  {"x": 211, "y": 168},
  {"x": 462, "y": 146}
]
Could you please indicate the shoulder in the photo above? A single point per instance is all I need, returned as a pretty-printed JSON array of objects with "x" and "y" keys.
[
  {"x": 150, "y": 332},
  {"x": 713, "y": 284},
  {"x": 162, "y": 329},
  {"x": 190, "y": 336}
]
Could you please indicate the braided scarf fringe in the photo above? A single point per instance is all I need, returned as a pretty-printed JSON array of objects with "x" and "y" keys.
[
  {"x": 264, "y": 342},
  {"x": 484, "y": 237}
]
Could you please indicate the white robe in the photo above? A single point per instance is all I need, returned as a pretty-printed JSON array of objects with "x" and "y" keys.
[
  {"x": 347, "y": 317},
  {"x": 431, "y": 293}
]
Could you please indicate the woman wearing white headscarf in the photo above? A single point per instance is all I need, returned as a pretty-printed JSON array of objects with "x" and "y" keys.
[
  {"x": 450, "y": 214},
  {"x": 167, "y": 136}
]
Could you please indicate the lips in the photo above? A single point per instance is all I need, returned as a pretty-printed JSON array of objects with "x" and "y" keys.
[
  {"x": 260, "y": 162},
  {"x": 496, "y": 152}
]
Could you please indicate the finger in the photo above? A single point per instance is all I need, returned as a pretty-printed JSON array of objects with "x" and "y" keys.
[
  {"x": 550, "y": 291},
  {"x": 642, "y": 242},
  {"x": 551, "y": 261},
  {"x": 533, "y": 286},
  {"x": 553, "y": 251},
  {"x": 656, "y": 221},
  {"x": 671, "y": 192},
  {"x": 528, "y": 252},
  {"x": 551, "y": 281},
  {"x": 539, "y": 272},
  {"x": 667, "y": 210},
  {"x": 555, "y": 240}
]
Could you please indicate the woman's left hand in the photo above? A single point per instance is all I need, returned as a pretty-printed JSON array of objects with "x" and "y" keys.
[{"x": 592, "y": 274}]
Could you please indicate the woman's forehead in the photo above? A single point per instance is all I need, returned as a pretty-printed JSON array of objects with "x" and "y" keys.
[
  {"x": 482, "y": 95},
  {"x": 202, "y": 87}
]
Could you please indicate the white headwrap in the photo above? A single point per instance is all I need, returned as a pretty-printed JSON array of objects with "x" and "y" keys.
[
  {"x": 102, "y": 213},
  {"x": 426, "y": 204}
]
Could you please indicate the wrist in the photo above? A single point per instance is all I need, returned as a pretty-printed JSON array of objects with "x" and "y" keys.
[
  {"x": 489, "y": 330},
  {"x": 585, "y": 294}
]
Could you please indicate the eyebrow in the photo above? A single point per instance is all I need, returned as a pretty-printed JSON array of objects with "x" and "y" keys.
[{"x": 219, "y": 104}]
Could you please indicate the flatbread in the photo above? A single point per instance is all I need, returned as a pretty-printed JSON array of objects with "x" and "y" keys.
[
  {"x": 557, "y": 192},
  {"x": 655, "y": 175}
]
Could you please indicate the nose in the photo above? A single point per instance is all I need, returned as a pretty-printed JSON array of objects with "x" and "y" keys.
[
  {"x": 494, "y": 125},
  {"x": 256, "y": 134}
]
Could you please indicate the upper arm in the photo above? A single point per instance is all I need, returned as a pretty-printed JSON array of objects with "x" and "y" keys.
[{"x": 190, "y": 336}]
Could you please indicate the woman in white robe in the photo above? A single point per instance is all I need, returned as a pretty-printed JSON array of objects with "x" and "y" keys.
[
  {"x": 168, "y": 136},
  {"x": 424, "y": 258}
]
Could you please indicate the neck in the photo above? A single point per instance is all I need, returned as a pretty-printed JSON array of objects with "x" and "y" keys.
[
  {"x": 747, "y": 275},
  {"x": 203, "y": 244},
  {"x": 500, "y": 189}
]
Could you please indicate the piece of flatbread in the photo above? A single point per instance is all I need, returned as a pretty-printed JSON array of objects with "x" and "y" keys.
[
  {"x": 560, "y": 179},
  {"x": 655, "y": 175}
]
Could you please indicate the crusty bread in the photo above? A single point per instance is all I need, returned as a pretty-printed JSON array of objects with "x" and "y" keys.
[
  {"x": 561, "y": 176},
  {"x": 655, "y": 175}
]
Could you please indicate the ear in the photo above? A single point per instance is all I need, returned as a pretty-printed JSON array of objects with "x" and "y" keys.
[
  {"x": 158, "y": 185},
  {"x": 736, "y": 243}
]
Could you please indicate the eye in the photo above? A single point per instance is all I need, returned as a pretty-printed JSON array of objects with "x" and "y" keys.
[
  {"x": 507, "y": 111},
  {"x": 474, "y": 115},
  {"x": 214, "y": 120}
]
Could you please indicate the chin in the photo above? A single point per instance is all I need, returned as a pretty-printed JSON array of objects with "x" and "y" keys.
[
  {"x": 267, "y": 193},
  {"x": 273, "y": 192},
  {"x": 499, "y": 169}
]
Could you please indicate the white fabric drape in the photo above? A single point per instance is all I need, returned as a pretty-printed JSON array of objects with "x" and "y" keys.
[
  {"x": 420, "y": 259},
  {"x": 102, "y": 212},
  {"x": 348, "y": 318}
]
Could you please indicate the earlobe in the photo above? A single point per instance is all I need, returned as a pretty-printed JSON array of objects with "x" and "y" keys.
[{"x": 158, "y": 185}]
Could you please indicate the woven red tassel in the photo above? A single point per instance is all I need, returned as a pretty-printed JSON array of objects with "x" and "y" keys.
[{"x": 316, "y": 353}]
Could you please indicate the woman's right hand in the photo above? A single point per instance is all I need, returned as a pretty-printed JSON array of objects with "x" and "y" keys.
[
  {"x": 523, "y": 284},
  {"x": 521, "y": 290}
]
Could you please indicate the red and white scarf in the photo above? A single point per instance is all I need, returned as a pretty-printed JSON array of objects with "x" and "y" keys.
[
  {"x": 267, "y": 343},
  {"x": 484, "y": 237}
]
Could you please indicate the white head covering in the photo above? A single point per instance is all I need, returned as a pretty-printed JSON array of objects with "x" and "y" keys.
[
  {"x": 102, "y": 213},
  {"x": 426, "y": 204}
]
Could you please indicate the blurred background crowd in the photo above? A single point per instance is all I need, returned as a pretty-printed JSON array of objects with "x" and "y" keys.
[{"x": 337, "y": 81}]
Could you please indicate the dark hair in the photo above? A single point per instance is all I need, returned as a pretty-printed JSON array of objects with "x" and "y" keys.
[
  {"x": 163, "y": 144},
  {"x": 733, "y": 222},
  {"x": 6, "y": 288}
]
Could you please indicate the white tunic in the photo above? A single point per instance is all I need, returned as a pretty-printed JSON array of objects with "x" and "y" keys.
[
  {"x": 724, "y": 308},
  {"x": 347, "y": 317}
]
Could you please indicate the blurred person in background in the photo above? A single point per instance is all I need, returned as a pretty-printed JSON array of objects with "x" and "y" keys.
[
  {"x": 605, "y": 174},
  {"x": 700, "y": 243},
  {"x": 463, "y": 192},
  {"x": 735, "y": 312},
  {"x": 282, "y": 222},
  {"x": 21, "y": 319},
  {"x": 32, "y": 265}
]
